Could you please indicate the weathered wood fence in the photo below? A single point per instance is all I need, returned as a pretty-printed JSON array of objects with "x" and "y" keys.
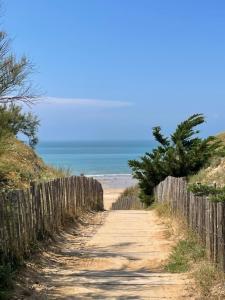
[
  {"x": 128, "y": 202},
  {"x": 29, "y": 215},
  {"x": 205, "y": 217}
]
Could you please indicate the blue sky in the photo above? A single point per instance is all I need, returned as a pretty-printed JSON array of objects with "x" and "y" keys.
[{"x": 112, "y": 69}]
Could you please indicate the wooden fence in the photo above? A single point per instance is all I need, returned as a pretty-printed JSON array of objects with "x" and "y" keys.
[
  {"x": 128, "y": 202},
  {"x": 30, "y": 215},
  {"x": 205, "y": 217}
]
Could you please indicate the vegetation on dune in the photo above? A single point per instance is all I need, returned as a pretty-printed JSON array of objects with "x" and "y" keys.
[
  {"x": 221, "y": 137},
  {"x": 189, "y": 255},
  {"x": 209, "y": 280},
  {"x": 132, "y": 191},
  {"x": 214, "y": 171},
  {"x": 14, "y": 121},
  {"x": 183, "y": 154},
  {"x": 186, "y": 252},
  {"x": 214, "y": 193},
  {"x": 210, "y": 180},
  {"x": 19, "y": 165}
]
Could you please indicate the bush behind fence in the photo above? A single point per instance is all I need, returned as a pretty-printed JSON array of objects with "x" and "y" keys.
[
  {"x": 205, "y": 217},
  {"x": 30, "y": 215}
]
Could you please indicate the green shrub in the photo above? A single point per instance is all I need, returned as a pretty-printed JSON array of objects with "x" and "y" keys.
[
  {"x": 214, "y": 193},
  {"x": 181, "y": 155},
  {"x": 14, "y": 121},
  {"x": 186, "y": 252}
]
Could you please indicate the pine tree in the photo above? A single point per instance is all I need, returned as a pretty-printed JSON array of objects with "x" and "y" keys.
[
  {"x": 14, "y": 86},
  {"x": 183, "y": 154},
  {"x": 14, "y": 121}
]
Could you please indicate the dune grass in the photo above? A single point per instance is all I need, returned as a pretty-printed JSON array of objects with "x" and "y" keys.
[
  {"x": 186, "y": 252},
  {"x": 189, "y": 255}
]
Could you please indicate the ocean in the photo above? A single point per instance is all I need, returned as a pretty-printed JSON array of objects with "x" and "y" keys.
[{"x": 93, "y": 157}]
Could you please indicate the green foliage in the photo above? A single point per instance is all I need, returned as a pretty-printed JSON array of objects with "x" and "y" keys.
[
  {"x": 214, "y": 193},
  {"x": 185, "y": 253},
  {"x": 181, "y": 155},
  {"x": 13, "y": 75},
  {"x": 14, "y": 121},
  {"x": 202, "y": 189}
]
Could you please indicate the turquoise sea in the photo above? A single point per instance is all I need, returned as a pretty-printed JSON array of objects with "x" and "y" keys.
[{"x": 93, "y": 157}]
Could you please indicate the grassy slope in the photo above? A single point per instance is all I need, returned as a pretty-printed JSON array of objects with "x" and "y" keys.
[
  {"x": 215, "y": 172},
  {"x": 20, "y": 164}
]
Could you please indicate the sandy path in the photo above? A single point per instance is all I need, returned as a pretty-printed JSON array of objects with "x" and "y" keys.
[
  {"x": 122, "y": 261},
  {"x": 112, "y": 255},
  {"x": 110, "y": 196}
]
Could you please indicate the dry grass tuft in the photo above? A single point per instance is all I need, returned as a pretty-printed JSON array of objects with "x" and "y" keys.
[
  {"x": 209, "y": 279},
  {"x": 130, "y": 191},
  {"x": 189, "y": 255}
]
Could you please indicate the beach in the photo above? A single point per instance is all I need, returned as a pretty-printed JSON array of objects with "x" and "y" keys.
[
  {"x": 113, "y": 185},
  {"x": 106, "y": 161}
]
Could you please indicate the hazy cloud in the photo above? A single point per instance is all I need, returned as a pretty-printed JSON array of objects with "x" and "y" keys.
[{"x": 86, "y": 102}]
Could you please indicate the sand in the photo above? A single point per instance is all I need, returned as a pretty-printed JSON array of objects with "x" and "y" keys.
[{"x": 113, "y": 186}]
